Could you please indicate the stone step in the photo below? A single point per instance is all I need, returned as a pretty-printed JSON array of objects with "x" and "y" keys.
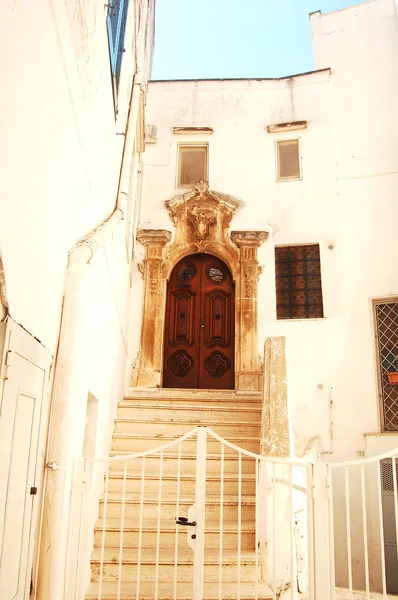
[
  {"x": 169, "y": 507},
  {"x": 187, "y": 484},
  {"x": 147, "y": 420},
  {"x": 166, "y": 568},
  {"x": 130, "y": 443},
  {"x": 187, "y": 464},
  {"x": 165, "y": 591},
  {"x": 234, "y": 396},
  {"x": 203, "y": 413},
  {"x": 223, "y": 427},
  {"x": 168, "y": 534}
]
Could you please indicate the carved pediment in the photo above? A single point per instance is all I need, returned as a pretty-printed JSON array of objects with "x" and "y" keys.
[{"x": 202, "y": 215}]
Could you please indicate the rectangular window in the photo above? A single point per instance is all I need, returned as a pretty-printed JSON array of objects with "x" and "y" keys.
[
  {"x": 192, "y": 165},
  {"x": 288, "y": 160},
  {"x": 116, "y": 25},
  {"x": 386, "y": 317},
  {"x": 298, "y": 282}
]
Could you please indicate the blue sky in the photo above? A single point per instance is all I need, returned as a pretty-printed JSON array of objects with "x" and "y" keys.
[{"x": 233, "y": 38}]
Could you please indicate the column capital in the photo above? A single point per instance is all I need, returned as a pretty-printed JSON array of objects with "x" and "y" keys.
[
  {"x": 153, "y": 237},
  {"x": 253, "y": 239}
]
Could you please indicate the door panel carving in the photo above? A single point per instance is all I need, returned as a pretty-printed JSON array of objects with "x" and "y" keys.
[
  {"x": 199, "y": 323},
  {"x": 180, "y": 363},
  {"x": 182, "y": 320},
  {"x": 217, "y": 364},
  {"x": 219, "y": 310}
]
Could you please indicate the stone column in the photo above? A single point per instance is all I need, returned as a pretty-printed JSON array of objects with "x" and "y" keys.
[
  {"x": 275, "y": 442},
  {"x": 247, "y": 369},
  {"x": 275, "y": 438},
  {"x": 151, "y": 353}
]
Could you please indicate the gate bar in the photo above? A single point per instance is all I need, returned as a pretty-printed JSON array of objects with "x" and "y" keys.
[{"x": 200, "y": 501}]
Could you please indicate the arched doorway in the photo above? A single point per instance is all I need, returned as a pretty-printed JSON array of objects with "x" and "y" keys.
[{"x": 199, "y": 341}]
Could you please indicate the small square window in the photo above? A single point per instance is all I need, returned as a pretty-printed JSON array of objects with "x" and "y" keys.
[
  {"x": 192, "y": 165},
  {"x": 288, "y": 160},
  {"x": 298, "y": 282}
]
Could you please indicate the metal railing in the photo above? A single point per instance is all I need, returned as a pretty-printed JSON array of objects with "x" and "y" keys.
[
  {"x": 363, "y": 525},
  {"x": 243, "y": 516},
  {"x": 255, "y": 526}
]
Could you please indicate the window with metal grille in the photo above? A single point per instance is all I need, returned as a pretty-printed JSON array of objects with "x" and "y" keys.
[
  {"x": 116, "y": 25},
  {"x": 288, "y": 160},
  {"x": 192, "y": 165},
  {"x": 387, "y": 479},
  {"x": 298, "y": 282},
  {"x": 386, "y": 314}
]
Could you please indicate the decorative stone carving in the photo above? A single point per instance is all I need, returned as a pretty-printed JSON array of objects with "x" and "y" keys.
[
  {"x": 141, "y": 268},
  {"x": 249, "y": 238},
  {"x": 148, "y": 372},
  {"x": 248, "y": 271},
  {"x": 153, "y": 237},
  {"x": 201, "y": 219},
  {"x": 201, "y": 187}
]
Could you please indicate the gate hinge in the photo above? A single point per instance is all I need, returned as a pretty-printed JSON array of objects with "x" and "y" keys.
[
  {"x": 8, "y": 358},
  {"x": 329, "y": 487},
  {"x": 7, "y": 364},
  {"x": 313, "y": 488}
]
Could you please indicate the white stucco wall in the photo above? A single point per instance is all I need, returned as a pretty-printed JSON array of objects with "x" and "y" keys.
[
  {"x": 346, "y": 200},
  {"x": 60, "y": 145},
  {"x": 61, "y": 150}
]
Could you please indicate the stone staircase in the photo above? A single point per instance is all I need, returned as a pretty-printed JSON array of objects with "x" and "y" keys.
[{"x": 146, "y": 421}]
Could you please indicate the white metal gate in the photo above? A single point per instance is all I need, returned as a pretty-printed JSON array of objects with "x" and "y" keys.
[
  {"x": 195, "y": 518},
  {"x": 363, "y": 525},
  {"x": 201, "y": 518}
]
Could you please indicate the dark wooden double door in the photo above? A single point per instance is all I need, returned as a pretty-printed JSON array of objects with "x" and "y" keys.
[{"x": 199, "y": 331}]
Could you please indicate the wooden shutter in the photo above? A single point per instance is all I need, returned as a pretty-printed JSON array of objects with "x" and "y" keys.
[
  {"x": 288, "y": 159},
  {"x": 192, "y": 165}
]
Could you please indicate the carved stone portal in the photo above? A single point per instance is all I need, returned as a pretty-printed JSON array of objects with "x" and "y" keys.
[{"x": 201, "y": 219}]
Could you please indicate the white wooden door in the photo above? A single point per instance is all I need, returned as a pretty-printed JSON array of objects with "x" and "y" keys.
[{"x": 24, "y": 371}]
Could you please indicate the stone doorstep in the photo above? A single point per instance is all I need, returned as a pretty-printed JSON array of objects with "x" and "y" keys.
[
  {"x": 170, "y": 499},
  {"x": 343, "y": 594},
  {"x": 191, "y": 456},
  {"x": 184, "y": 591},
  {"x": 192, "y": 422},
  {"x": 187, "y": 394},
  {"x": 185, "y": 556},
  {"x": 184, "y": 477},
  {"x": 126, "y": 443},
  {"x": 151, "y": 405},
  {"x": 211, "y": 526}
]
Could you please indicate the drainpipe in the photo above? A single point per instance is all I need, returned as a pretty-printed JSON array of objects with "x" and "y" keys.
[
  {"x": 3, "y": 293},
  {"x": 85, "y": 248},
  {"x": 69, "y": 380}
]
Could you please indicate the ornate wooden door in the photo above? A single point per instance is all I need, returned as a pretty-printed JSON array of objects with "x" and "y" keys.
[{"x": 199, "y": 331}]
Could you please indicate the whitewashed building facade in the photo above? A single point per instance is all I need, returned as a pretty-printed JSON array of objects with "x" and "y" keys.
[
  {"x": 277, "y": 199},
  {"x": 312, "y": 161}
]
